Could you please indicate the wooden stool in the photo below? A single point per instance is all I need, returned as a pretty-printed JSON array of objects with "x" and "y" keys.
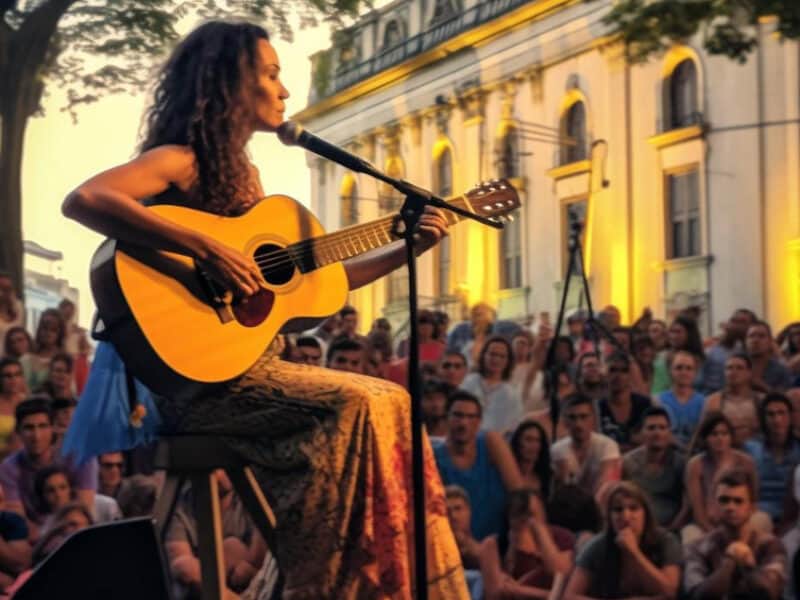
[{"x": 194, "y": 458}]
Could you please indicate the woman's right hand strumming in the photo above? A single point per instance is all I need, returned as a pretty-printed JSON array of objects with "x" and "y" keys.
[{"x": 237, "y": 272}]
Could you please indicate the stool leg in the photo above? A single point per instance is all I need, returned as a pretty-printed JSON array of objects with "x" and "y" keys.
[
  {"x": 209, "y": 535},
  {"x": 255, "y": 503}
]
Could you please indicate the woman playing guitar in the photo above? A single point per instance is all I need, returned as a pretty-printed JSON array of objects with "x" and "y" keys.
[{"x": 328, "y": 445}]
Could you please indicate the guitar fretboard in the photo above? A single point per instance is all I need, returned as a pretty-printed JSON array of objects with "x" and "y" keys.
[{"x": 330, "y": 248}]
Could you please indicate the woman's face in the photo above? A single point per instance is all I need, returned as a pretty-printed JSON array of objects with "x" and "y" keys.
[
  {"x": 657, "y": 333},
  {"x": 49, "y": 328},
  {"x": 522, "y": 348},
  {"x": 60, "y": 375},
  {"x": 425, "y": 328},
  {"x": 737, "y": 372},
  {"x": 720, "y": 438},
  {"x": 496, "y": 358},
  {"x": 627, "y": 513},
  {"x": 677, "y": 336},
  {"x": 56, "y": 491},
  {"x": 74, "y": 521},
  {"x": 645, "y": 354},
  {"x": 18, "y": 343},
  {"x": 530, "y": 444},
  {"x": 269, "y": 93}
]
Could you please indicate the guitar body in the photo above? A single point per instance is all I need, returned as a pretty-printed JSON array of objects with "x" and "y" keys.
[{"x": 175, "y": 331}]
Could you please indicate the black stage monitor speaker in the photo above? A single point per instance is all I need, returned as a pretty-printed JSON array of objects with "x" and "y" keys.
[{"x": 121, "y": 560}]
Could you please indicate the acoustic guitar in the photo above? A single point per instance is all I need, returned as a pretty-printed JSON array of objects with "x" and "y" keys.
[{"x": 177, "y": 329}]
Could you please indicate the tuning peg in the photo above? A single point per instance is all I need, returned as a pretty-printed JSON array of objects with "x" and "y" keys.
[{"x": 509, "y": 218}]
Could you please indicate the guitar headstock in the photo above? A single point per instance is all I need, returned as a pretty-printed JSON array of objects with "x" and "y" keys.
[{"x": 493, "y": 199}]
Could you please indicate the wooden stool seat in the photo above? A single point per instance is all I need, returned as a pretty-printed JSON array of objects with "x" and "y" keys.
[{"x": 194, "y": 458}]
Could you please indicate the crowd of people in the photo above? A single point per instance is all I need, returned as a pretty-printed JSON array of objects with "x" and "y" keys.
[{"x": 640, "y": 462}]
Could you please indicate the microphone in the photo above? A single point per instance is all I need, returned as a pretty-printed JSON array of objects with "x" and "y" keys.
[{"x": 293, "y": 134}]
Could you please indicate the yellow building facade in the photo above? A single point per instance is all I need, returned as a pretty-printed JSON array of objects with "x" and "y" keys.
[{"x": 685, "y": 170}]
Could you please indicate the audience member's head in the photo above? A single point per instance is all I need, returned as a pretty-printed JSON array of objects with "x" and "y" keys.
[
  {"x": 63, "y": 409},
  {"x": 644, "y": 350},
  {"x": 590, "y": 370},
  {"x": 775, "y": 416},
  {"x": 434, "y": 400},
  {"x": 381, "y": 324},
  {"x": 714, "y": 434},
  {"x": 111, "y": 468},
  {"x": 575, "y": 323},
  {"x": 628, "y": 507},
  {"x": 7, "y": 293},
  {"x": 348, "y": 321},
  {"x": 53, "y": 488},
  {"x": 682, "y": 368},
  {"x": 738, "y": 324},
  {"x": 496, "y": 359},
  {"x": 481, "y": 315},
  {"x": 34, "y": 419},
  {"x": 738, "y": 371},
  {"x": 50, "y": 332},
  {"x": 618, "y": 369},
  {"x": 452, "y": 368},
  {"x": 656, "y": 434},
  {"x": 624, "y": 337},
  {"x": 610, "y": 316},
  {"x": 60, "y": 375},
  {"x": 758, "y": 340},
  {"x": 657, "y": 330},
  {"x": 381, "y": 342},
  {"x": 345, "y": 354},
  {"x": 735, "y": 495},
  {"x": 67, "y": 309},
  {"x": 573, "y": 508},
  {"x": 442, "y": 320},
  {"x": 529, "y": 445},
  {"x": 463, "y": 417},
  {"x": 17, "y": 342},
  {"x": 579, "y": 417},
  {"x": 459, "y": 510},
  {"x": 67, "y": 520},
  {"x": 309, "y": 350},
  {"x": 522, "y": 344},
  {"x": 427, "y": 328},
  {"x": 138, "y": 497},
  {"x": 564, "y": 350},
  {"x": 683, "y": 334},
  {"x": 12, "y": 377}
]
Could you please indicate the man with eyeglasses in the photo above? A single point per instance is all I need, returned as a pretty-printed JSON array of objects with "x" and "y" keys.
[
  {"x": 110, "y": 480},
  {"x": 622, "y": 410},
  {"x": 480, "y": 462},
  {"x": 452, "y": 368},
  {"x": 734, "y": 560}
]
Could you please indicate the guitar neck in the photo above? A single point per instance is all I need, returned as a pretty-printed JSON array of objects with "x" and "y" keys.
[{"x": 314, "y": 253}]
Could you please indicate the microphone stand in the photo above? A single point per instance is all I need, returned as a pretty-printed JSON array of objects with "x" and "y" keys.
[{"x": 416, "y": 199}]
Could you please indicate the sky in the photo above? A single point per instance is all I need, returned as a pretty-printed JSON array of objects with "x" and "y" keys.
[{"x": 59, "y": 154}]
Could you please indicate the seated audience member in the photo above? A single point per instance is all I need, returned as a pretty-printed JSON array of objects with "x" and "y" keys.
[
  {"x": 15, "y": 551},
  {"x": 48, "y": 342},
  {"x": 138, "y": 497},
  {"x": 712, "y": 375},
  {"x": 586, "y": 458},
  {"x": 735, "y": 560},
  {"x": 243, "y": 547},
  {"x": 379, "y": 353},
  {"x": 716, "y": 455},
  {"x": 590, "y": 378},
  {"x": 431, "y": 346},
  {"x": 12, "y": 313},
  {"x": 345, "y": 354},
  {"x": 560, "y": 379},
  {"x": 737, "y": 400},
  {"x": 530, "y": 448},
  {"x": 537, "y": 553},
  {"x": 632, "y": 558},
  {"x": 309, "y": 350},
  {"x": 12, "y": 392},
  {"x": 459, "y": 513},
  {"x": 657, "y": 467},
  {"x": 775, "y": 456},
  {"x": 791, "y": 539},
  {"x": 644, "y": 353},
  {"x": 501, "y": 405},
  {"x": 63, "y": 409},
  {"x": 769, "y": 373},
  {"x": 621, "y": 411},
  {"x": 53, "y": 490},
  {"x": 59, "y": 382},
  {"x": 434, "y": 409},
  {"x": 452, "y": 368},
  {"x": 527, "y": 378},
  {"x": 479, "y": 461},
  {"x": 468, "y": 337},
  {"x": 17, "y": 343},
  {"x": 681, "y": 401},
  {"x": 110, "y": 480},
  {"x": 35, "y": 429}
]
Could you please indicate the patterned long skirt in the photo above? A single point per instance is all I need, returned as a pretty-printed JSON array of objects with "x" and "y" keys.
[{"x": 332, "y": 451}]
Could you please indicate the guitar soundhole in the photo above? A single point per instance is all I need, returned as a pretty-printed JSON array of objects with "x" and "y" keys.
[
  {"x": 275, "y": 263},
  {"x": 252, "y": 311}
]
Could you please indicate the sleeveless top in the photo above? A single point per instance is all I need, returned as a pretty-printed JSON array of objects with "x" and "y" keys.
[
  {"x": 684, "y": 416},
  {"x": 485, "y": 488}
]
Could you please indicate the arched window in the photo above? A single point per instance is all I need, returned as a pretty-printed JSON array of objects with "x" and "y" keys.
[
  {"x": 682, "y": 96},
  {"x": 392, "y": 35},
  {"x": 349, "y": 202},
  {"x": 573, "y": 129},
  {"x": 442, "y": 10},
  {"x": 443, "y": 187}
]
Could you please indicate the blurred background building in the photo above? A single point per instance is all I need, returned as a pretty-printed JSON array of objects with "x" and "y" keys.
[
  {"x": 686, "y": 169},
  {"x": 45, "y": 285}
]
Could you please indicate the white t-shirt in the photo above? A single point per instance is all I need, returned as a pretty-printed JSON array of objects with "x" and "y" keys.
[{"x": 565, "y": 460}]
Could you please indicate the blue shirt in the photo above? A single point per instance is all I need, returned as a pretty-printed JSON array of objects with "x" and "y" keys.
[
  {"x": 684, "y": 417},
  {"x": 482, "y": 482},
  {"x": 772, "y": 476}
]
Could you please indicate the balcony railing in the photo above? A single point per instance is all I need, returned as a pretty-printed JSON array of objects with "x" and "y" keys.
[{"x": 348, "y": 75}]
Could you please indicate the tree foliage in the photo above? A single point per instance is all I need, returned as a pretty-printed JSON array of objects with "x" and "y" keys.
[
  {"x": 88, "y": 48},
  {"x": 727, "y": 27}
]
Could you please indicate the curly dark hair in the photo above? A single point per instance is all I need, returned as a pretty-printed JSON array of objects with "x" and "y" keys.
[{"x": 202, "y": 99}]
